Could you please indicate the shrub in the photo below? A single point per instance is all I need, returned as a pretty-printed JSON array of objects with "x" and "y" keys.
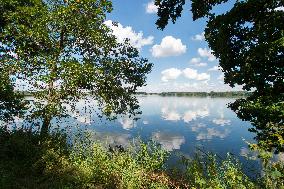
[
  {"x": 53, "y": 163},
  {"x": 206, "y": 172},
  {"x": 56, "y": 161}
]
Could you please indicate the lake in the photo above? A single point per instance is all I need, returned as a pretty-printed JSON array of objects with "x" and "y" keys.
[{"x": 180, "y": 124}]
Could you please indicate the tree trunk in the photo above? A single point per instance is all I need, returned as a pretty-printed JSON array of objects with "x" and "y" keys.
[
  {"x": 45, "y": 125},
  {"x": 51, "y": 93}
]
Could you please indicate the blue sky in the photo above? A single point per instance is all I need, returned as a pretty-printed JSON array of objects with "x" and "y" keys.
[{"x": 181, "y": 57}]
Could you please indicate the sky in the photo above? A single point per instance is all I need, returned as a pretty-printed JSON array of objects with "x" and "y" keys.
[{"x": 182, "y": 60}]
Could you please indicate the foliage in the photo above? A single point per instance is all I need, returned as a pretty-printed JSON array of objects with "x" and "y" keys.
[
  {"x": 273, "y": 176},
  {"x": 207, "y": 172},
  {"x": 11, "y": 102},
  {"x": 248, "y": 40},
  {"x": 63, "y": 48},
  {"x": 27, "y": 161},
  {"x": 62, "y": 161},
  {"x": 19, "y": 150},
  {"x": 205, "y": 94},
  {"x": 266, "y": 113}
]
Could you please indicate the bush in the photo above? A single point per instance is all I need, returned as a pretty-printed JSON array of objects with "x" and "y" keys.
[
  {"x": 206, "y": 172},
  {"x": 29, "y": 161}
]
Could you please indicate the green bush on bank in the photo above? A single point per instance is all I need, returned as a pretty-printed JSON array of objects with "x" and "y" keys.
[
  {"x": 29, "y": 161},
  {"x": 207, "y": 172}
]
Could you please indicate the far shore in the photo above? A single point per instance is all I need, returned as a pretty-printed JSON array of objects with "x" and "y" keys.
[{"x": 183, "y": 94}]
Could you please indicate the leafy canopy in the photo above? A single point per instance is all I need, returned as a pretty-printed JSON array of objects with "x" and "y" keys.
[
  {"x": 248, "y": 40},
  {"x": 11, "y": 102},
  {"x": 62, "y": 48}
]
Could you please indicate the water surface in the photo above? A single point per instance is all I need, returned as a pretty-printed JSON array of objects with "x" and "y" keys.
[{"x": 180, "y": 124}]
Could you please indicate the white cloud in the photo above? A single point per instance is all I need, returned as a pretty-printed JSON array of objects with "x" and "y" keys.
[
  {"x": 203, "y": 76},
  {"x": 151, "y": 8},
  {"x": 199, "y": 37},
  {"x": 136, "y": 39},
  {"x": 174, "y": 73},
  {"x": 186, "y": 86},
  {"x": 201, "y": 64},
  {"x": 279, "y": 8},
  {"x": 221, "y": 77},
  {"x": 214, "y": 68},
  {"x": 170, "y": 74},
  {"x": 190, "y": 73},
  {"x": 193, "y": 74},
  {"x": 169, "y": 46},
  {"x": 169, "y": 142},
  {"x": 206, "y": 53},
  {"x": 195, "y": 60}
]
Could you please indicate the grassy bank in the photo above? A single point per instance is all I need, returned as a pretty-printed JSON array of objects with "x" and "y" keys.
[{"x": 30, "y": 161}]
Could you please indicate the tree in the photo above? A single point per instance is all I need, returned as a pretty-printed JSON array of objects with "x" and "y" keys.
[
  {"x": 11, "y": 102},
  {"x": 248, "y": 40},
  {"x": 63, "y": 48}
]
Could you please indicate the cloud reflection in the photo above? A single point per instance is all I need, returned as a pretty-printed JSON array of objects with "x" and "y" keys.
[
  {"x": 127, "y": 123},
  {"x": 198, "y": 127},
  {"x": 82, "y": 118},
  {"x": 174, "y": 115},
  {"x": 168, "y": 141},
  {"x": 145, "y": 122},
  {"x": 113, "y": 139},
  {"x": 253, "y": 155},
  {"x": 245, "y": 152},
  {"x": 211, "y": 133},
  {"x": 192, "y": 115},
  {"x": 222, "y": 122},
  {"x": 205, "y": 133},
  {"x": 171, "y": 115},
  {"x": 189, "y": 116}
]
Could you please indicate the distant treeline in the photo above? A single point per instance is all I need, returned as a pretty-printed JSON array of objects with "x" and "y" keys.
[
  {"x": 201, "y": 94},
  {"x": 197, "y": 94},
  {"x": 25, "y": 93}
]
